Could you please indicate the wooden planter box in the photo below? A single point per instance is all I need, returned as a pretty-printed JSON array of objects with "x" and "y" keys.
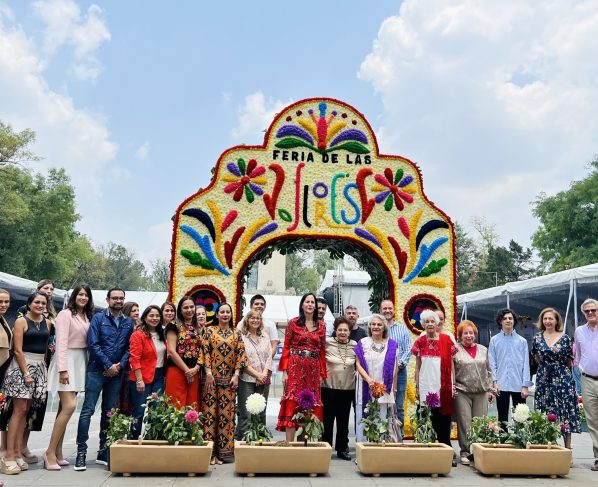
[
  {"x": 153, "y": 456},
  {"x": 313, "y": 459},
  {"x": 407, "y": 458},
  {"x": 500, "y": 460}
]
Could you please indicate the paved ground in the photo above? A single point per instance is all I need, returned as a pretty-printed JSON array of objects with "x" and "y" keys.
[{"x": 342, "y": 473}]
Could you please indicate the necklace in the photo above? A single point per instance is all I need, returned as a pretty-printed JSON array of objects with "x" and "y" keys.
[
  {"x": 380, "y": 348},
  {"x": 343, "y": 352}
]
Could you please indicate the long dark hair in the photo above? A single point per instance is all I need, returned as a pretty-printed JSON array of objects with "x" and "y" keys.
[
  {"x": 143, "y": 325},
  {"x": 231, "y": 314},
  {"x": 302, "y": 314},
  {"x": 179, "y": 311},
  {"x": 72, "y": 303}
]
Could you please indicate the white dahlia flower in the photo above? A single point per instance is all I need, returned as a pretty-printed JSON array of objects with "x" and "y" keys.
[
  {"x": 256, "y": 403},
  {"x": 521, "y": 413}
]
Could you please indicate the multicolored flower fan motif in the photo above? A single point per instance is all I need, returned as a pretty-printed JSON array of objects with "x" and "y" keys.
[
  {"x": 244, "y": 178},
  {"x": 393, "y": 187},
  {"x": 322, "y": 134}
]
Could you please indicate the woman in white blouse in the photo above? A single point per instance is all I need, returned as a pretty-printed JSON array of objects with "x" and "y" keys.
[{"x": 256, "y": 375}]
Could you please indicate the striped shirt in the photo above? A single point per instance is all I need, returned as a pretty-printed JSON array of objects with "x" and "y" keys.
[{"x": 399, "y": 333}]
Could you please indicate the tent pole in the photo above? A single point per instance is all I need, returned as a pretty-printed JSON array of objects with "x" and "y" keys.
[
  {"x": 575, "y": 301},
  {"x": 571, "y": 291},
  {"x": 508, "y": 301}
]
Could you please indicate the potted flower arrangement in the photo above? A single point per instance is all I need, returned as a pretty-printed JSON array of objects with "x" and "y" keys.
[
  {"x": 527, "y": 448},
  {"x": 256, "y": 454},
  {"x": 424, "y": 456},
  {"x": 171, "y": 440}
]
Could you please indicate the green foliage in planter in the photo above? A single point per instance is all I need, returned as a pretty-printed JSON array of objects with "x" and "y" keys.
[
  {"x": 537, "y": 429},
  {"x": 486, "y": 429},
  {"x": 164, "y": 421},
  {"x": 119, "y": 426},
  {"x": 421, "y": 421},
  {"x": 375, "y": 429}
]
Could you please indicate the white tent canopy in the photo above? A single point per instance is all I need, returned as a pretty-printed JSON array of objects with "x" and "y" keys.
[{"x": 564, "y": 290}]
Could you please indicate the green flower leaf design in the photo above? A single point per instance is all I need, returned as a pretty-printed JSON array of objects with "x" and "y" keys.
[
  {"x": 292, "y": 142},
  {"x": 352, "y": 146}
]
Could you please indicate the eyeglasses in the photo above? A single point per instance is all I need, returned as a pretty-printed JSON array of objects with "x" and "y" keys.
[{"x": 590, "y": 311}]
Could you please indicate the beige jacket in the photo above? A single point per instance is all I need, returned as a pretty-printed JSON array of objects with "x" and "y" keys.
[{"x": 5, "y": 341}]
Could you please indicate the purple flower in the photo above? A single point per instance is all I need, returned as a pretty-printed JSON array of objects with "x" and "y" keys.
[
  {"x": 110, "y": 414},
  {"x": 432, "y": 400},
  {"x": 306, "y": 399},
  {"x": 551, "y": 417}
]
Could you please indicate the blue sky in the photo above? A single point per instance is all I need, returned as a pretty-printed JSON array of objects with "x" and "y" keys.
[{"x": 496, "y": 101}]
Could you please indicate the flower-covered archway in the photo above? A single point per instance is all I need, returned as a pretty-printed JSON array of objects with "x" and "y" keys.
[{"x": 319, "y": 175}]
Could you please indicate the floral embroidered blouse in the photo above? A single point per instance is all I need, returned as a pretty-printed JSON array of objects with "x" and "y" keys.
[{"x": 189, "y": 343}]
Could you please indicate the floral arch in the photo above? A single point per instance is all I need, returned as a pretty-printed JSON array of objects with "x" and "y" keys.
[{"x": 319, "y": 176}]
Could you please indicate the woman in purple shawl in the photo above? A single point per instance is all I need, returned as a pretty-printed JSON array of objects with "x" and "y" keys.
[{"x": 376, "y": 362}]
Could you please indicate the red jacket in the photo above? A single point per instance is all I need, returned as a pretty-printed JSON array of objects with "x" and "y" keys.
[{"x": 143, "y": 356}]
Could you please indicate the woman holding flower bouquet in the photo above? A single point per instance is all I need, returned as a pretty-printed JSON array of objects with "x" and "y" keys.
[
  {"x": 184, "y": 347},
  {"x": 148, "y": 352},
  {"x": 223, "y": 358},
  {"x": 376, "y": 362},
  {"x": 257, "y": 372},
  {"x": 555, "y": 387},
  {"x": 338, "y": 390},
  {"x": 434, "y": 374},
  {"x": 303, "y": 363}
]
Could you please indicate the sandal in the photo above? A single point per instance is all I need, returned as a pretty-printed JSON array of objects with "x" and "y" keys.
[
  {"x": 29, "y": 457},
  {"x": 213, "y": 461},
  {"x": 218, "y": 461},
  {"x": 9, "y": 467},
  {"x": 23, "y": 465}
]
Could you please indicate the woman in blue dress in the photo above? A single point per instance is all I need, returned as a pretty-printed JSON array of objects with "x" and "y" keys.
[{"x": 555, "y": 386}]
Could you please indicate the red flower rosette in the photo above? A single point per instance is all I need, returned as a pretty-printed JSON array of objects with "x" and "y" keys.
[{"x": 377, "y": 389}]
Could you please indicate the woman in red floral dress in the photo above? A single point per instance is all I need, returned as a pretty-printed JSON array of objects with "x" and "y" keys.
[{"x": 303, "y": 363}]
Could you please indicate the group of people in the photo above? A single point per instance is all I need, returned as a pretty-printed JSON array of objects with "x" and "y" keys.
[{"x": 123, "y": 355}]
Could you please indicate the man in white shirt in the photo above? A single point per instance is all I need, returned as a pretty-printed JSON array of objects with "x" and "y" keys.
[{"x": 258, "y": 303}]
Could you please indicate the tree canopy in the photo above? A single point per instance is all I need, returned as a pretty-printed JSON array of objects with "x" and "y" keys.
[{"x": 568, "y": 234}]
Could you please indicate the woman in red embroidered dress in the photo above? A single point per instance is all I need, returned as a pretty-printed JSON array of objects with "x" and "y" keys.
[{"x": 303, "y": 362}]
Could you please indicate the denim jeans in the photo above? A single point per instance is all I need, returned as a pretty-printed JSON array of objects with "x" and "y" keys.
[
  {"x": 96, "y": 384},
  {"x": 138, "y": 399},
  {"x": 400, "y": 397}
]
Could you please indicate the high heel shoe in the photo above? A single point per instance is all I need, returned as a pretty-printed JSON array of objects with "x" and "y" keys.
[
  {"x": 23, "y": 465},
  {"x": 63, "y": 462},
  {"x": 47, "y": 465}
]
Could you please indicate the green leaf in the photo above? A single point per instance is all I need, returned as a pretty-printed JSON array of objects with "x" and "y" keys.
[
  {"x": 242, "y": 165},
  {"x": 388, "y": 203},
  {"x": 292, "y": 142},
  {"x": 398, "y": 176},
  {"x": 249, "y": 194},
  {"x": 352, "y": 146}
]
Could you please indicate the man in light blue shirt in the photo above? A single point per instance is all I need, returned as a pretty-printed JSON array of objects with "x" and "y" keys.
[
  {"x": 508, "y": 355},
  {"x": 399, "y": 333}
]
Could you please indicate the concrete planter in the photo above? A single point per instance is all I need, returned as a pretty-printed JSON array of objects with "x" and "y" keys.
[
  {"x": 313, "y": 459},
  {"x": 404, "y": 458},
  {"x": 153, "y": 456},
  {"x": 500, "y": 460}
]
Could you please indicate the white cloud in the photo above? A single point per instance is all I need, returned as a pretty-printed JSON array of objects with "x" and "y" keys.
[
  {"x": 495, "y": 101},
  {"x": 67, "y": 136},
  {"x": 256, "y": 115},
  {"x": 142, "y": 151},
  {"x": 84, "y": 33},
  {"x": 158, "y": 242}
]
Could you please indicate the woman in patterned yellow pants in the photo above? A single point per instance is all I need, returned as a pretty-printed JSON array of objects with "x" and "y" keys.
[{"x": 223, "y": 358}]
